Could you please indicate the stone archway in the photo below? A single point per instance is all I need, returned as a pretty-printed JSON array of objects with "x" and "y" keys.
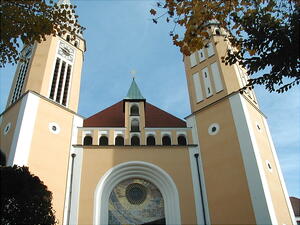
[{"x": 142, "y": 171}]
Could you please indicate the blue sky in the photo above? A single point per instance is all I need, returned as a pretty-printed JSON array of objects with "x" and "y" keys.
[{"x": 121, "y": 37}]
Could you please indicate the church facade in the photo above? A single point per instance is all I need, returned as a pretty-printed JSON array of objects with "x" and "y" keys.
[{"x": 134, "y": 163}]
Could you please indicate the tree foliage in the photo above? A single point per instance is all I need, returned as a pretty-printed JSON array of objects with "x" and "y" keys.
[
  {"x": 28, "y": 21},
  {"x": 264, "y": 35},
  {"x": 24, "y": 198}
]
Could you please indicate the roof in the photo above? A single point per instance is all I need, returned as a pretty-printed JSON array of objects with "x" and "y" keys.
[
  {"x": 114, "y": 116},
  {"x": 134, "y": 92},
  {"x": 296, "y": 205}
]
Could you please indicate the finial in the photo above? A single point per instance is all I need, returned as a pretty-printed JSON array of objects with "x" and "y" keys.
[{"x": 133, "y": 72}]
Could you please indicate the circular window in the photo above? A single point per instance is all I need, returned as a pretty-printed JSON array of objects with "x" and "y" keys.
[
  {"x": 54, "y": 128},
  {"x": 258, "y": 126},
  {"x": 213, "y": 129},
  {"x": 269, "y": 165},
  {"x": 136, "y": 193},
  {"x": 6, "y": 128}
]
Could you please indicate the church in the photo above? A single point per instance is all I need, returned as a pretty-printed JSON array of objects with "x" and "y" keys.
[{"x": 133, "y": 163}]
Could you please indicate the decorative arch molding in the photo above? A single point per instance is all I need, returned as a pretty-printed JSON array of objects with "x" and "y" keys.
[{"x": 137, "y": 169}]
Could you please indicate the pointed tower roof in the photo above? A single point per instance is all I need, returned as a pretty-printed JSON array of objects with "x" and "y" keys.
[{"x": 134, "y": 92}]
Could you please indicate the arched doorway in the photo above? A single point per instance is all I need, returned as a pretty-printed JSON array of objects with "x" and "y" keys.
[
  {"x": 142, "y": 171},
  {"x": 136, "y": 201}
]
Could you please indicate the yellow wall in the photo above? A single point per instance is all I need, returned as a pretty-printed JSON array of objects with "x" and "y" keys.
[
  {"x": 9, "y": 116},
  {"x": 273, "y": 180},
  {"x": 49, "y": 152},
  {"x": 225, "y": 179},
  {"x": 175, "y": 161}
]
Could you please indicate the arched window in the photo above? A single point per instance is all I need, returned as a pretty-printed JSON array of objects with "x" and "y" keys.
[
  {"x": 218, "y": 32},
  {"x": 76, "y": 44},
  {"x": 134, "y": 110},
  {"x": 150, "y": 140},
  {"x": 135, "y": 140},
  {"x": 181, "y": 140},
  {"x": 103, "y": 140},
  {"x": 166, "y": 140},
  {"x": 88, "y": 140},
  {"x": 68, "y": 38},
  {"x": 119, "y": 141},
  {"x": 135, "y": 125},
  {"x": 142, "y": 197}
]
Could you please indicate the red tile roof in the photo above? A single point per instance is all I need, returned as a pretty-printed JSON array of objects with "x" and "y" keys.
[
  {"x": 296, "y": 205},
  {"x": 114, "y": 116}
]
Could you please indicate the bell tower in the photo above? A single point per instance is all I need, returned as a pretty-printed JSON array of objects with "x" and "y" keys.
[
  {"x": 41, "y": 117},
  {"x": 52, "y": 69},
  {"x": 240, "y": 174}
]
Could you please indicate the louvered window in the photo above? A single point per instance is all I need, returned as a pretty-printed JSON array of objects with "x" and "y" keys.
[
  {"x": 60, "y": 86},
  {"x": 20, "y": 80}
]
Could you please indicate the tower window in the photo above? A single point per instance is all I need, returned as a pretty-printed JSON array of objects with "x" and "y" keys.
[
  {"x": 181, "y": 140},
  {"x": 103, "y": 140},
  {"x": 60, "y": 83},
  {"x": 20, "y": 80},
  {"x": 134, "y": 110},
  {"x": 207, "y": 84},
  {"x": 135, "y": 125},
  {"x": 119, "y": 141},
  {"x": 76, "y": 44},
  {"x": 150, "y": 140},
  {"x": 67, "y": 83},
  {"x": 54, "y": 80},
  {"x": 135, "y": 140},
  {"x": 213, "y": 129},
  {"x": 218, "y": 32},
  {"x": 60, "y": 86},
  {"x": 88, "y": 140},
  {"x": 166, "y": 140}
]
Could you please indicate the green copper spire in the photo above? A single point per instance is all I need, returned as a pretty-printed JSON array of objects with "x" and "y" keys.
[{"x": 134, "y": 92}]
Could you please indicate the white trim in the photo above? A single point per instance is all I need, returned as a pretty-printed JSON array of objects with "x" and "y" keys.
[
  {"x": 277, "y": 165},
  {"x": 193, "y": 60},
  {"x": 210, "y": 49},
  {"x": 216, "y": 76},
  {"x": 101, "y": 128},
  {"x": 207, "y": 83},
  {"x": 20, "y": 148},
  {"x": 102, "y": 132},
  {"x": 74, "y": 211},
  {"x": 118, "y": 133},
  {"x": 254, "y": 167},
  {"x": 191, "y": 121},
  {"x": 203, "y": 57},
  {"x": 197, "y": 87},
  {"x": 178, "y": 133},
  {"x": 142, "y": 170},
  {"x": 150, "y": 133},
  {"x": 135, "y": 134},
  {"x": 87, "y": 132},
  {"x": 164, "y": 133},
  {"x": 167, "y": 128}
]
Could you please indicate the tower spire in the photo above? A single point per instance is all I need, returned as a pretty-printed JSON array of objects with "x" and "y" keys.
[{"x": 134, "y": 92}]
